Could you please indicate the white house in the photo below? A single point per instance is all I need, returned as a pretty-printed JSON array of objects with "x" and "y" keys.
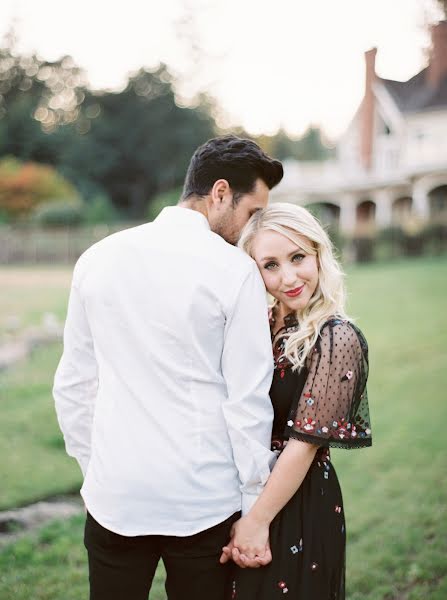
[{"x": 391, "y": 163}]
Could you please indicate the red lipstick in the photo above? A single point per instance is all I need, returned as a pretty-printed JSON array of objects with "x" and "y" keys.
[{"x": 295, "y": 292}]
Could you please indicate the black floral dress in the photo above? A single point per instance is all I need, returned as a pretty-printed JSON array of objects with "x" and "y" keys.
[{"x": 325, "y": 404}]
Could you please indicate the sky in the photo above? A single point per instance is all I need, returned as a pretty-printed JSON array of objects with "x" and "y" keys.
[{"x": 268, "y": 64}]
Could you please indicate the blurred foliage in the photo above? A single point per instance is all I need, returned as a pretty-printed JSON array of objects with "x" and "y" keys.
[
  {"x": 311, "y": 146},
  {"x": 161, "y": 200},
  {"x": 100, "y": 210},
  {"x": 23, "y": 186},
  {"x": 396, "y": 241},
  {"x": 140, "y": 142},
  {"x": 36, "y": 97},
  {"x": 126, "y": 147},
  {"x": 59, "y": 213}
]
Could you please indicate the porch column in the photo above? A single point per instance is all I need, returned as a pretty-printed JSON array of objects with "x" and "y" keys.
[
  {"x": 421, "y": 206},
  {"x": 348, "y": 203},
  {"x": 384, "y": 201}
]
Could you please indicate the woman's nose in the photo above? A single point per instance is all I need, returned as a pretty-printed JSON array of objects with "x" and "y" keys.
[{"x": 289, "y": 275}]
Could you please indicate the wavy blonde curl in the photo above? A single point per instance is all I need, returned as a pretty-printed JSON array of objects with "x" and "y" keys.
[{"x": 329, "y": 297}]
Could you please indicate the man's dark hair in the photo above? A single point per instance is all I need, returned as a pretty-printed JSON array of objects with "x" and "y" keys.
[{"x": 240, "y": 161}]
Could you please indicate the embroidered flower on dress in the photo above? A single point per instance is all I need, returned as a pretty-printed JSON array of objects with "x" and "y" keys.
[{"x": 309, "y": 424}]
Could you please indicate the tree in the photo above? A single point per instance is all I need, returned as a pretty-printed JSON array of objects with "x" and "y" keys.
[
  {"x": 139, "y": 142},
  {"x": 36, "y": 97},
  {"x": 309, "y": 147},
  {"x": 128, "y": 146}
]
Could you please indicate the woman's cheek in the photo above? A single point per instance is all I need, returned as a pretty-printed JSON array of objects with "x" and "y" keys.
[{"x": 270, "y": 283}]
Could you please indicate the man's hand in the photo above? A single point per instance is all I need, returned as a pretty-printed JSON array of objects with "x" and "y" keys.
[{"x": 249, "y": 545}]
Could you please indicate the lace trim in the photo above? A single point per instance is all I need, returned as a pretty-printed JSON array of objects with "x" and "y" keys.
[{"x": 331, "y": 443}]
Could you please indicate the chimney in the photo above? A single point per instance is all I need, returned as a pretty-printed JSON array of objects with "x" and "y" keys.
[
  {"x": 437, "y": 68},
  {"x": 367, "y": 110}
]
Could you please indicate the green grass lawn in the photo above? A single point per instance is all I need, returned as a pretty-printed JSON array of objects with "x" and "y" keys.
[
  {"x": 27, "y": 293},
  {"x": 395, "y": 492},
  {"x": 36, "y": 465}
]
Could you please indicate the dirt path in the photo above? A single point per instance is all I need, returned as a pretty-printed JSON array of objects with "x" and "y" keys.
[
  {"x": 18, "y": 522},
  {"x": 30, "y": 277}
]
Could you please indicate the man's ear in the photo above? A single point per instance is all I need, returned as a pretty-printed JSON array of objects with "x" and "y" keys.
[{"x": 220, "y": 193}]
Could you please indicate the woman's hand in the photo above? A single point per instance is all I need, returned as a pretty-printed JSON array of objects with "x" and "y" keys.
[{"x": 249, "y": 545}]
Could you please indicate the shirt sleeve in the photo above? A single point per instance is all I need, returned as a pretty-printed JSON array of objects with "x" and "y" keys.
[
  {"x": 76, "y": 381},
  {"x": 247, "y": 367},
  {"x": 332, "y": 410}
]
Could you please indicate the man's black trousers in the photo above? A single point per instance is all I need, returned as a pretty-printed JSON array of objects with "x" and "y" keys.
[{"x": 122, "y": 568}]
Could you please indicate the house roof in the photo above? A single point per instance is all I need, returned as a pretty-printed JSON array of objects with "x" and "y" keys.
[{"x": 416, "y": 94}]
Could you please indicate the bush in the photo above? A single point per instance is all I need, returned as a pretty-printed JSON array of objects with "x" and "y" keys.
[
  {"x": 364, "y": 247},
  {"x": 435, "y": 235},
  {"x": 157, "y": 203},
  {"x": 4, "y": 217},
  {"x": 100, "y": 210},
  {"x": 60, "y": 213},
  {"x": 391, "y": 241},
  {"x": 337, "y": 239},
  {"x": 24, "y": 186}
]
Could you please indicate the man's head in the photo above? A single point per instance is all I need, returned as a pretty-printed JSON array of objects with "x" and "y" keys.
[{"x": 229, "y": 179}]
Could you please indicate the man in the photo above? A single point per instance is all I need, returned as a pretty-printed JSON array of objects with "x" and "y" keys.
[{"x": 162, "y": 389}]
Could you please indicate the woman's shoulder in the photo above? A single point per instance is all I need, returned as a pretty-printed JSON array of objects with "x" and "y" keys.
[{"x": 340, "y": 330}]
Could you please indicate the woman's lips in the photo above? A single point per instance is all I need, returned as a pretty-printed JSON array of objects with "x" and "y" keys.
[{"x": 295, "y": 292}]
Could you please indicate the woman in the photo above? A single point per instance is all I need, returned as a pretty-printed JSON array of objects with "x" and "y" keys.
[{"x": 320, "y": 401}]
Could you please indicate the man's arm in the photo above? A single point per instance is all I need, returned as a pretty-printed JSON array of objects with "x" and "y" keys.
[
  {"x": 76, "y": 381},
  {"x": 247, "y": 367},
  {"x": 250, "y": 534}
]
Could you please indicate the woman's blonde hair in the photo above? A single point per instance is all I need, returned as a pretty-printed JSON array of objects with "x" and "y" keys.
[{"x": 328, "y": 299}]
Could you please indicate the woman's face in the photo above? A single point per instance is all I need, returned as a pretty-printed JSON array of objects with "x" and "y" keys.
[{"x": 289, "y": 273}]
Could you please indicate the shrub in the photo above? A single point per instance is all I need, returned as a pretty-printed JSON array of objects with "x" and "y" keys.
[
  {"x": 160, "y": 201},
  {"x": 24, "y": 186},
  {"x": 435, "y": 235},
  {"x": 364, "y": 247},
  {"x": 391, "y": 241},
  {"x": 59, "y": 213},
  {"x": 100, "y": 210}
]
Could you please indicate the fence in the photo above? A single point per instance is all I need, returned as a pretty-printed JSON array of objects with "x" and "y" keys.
[
  {"x": 27, "y": 244},
  {"x": 61, "y": 245}
]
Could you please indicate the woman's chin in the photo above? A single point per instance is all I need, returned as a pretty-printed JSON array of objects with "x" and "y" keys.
[{"x": 293, "y": 304}]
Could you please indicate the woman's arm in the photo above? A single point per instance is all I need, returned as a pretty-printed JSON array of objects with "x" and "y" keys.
[{"x": 251, "y": 532}]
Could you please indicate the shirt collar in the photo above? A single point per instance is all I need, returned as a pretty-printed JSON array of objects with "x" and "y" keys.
[{"x": 182, "y": 216}]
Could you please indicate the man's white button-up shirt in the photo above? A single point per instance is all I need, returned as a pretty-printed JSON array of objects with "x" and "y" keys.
[{"x": 162, "y": 389}]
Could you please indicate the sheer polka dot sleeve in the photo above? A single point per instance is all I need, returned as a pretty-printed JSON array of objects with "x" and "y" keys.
[{"x": 332, "y": 409}]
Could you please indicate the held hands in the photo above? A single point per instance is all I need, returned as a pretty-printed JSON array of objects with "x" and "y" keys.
[{"x": 249, "y": 544}]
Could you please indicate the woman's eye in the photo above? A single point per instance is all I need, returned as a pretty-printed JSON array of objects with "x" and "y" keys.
[
  {"x": 298, "y": 257},
  {"x": 270, "y": 266}
]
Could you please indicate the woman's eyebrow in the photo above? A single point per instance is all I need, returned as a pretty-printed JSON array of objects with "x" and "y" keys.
[{"x": 269, "y": 258}]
